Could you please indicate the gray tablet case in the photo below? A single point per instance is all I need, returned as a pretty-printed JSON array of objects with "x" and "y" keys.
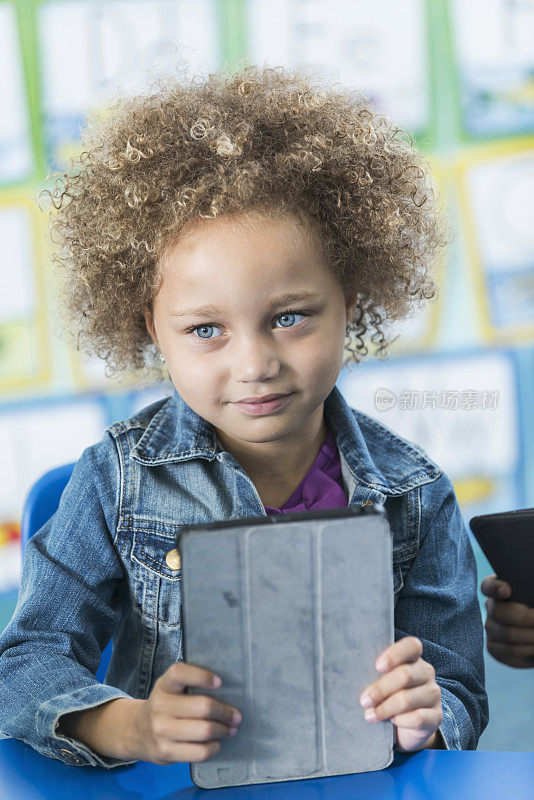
[{"x": 291, "y": 611}]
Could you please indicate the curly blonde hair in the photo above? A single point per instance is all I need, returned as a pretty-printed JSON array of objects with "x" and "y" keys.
[{"x": 265, "y": 140}]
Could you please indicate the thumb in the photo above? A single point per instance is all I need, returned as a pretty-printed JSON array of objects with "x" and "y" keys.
[{"x": 493, "y": 587}]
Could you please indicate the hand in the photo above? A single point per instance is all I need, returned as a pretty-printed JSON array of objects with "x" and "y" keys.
[
  {"x": 509, "y": 626},
  {"x": 171, "y": 726},
  {"x": 407, "y": 694}
]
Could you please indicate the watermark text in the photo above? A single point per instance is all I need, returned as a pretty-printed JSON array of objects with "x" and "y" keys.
[{"x": 448, "y": 399}]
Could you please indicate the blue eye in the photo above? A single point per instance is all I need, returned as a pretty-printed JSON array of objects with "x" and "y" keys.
[
  {"x": 203, "y": 328},
  {"x": 290, "y": 314}
]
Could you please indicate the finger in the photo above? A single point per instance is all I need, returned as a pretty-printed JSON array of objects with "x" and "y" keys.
[
  {"x": 402, "y": 677},
  {"x": 172, "y": 752},
  {"x": 508, "y": 633},
  {"x": 180, "y": 675},
  {"x": 502, "y": 651},
  {"x": 493, "y": 587},
  {"x": 510, "y": 613},
  {"x": 409, "y": 648},
  {"x": 202, "y": 752},
  {"x": 426, "y": 695},
  {"x": 191, "y": 706},
  {"x": 427, "y": 718},
  {"x": 193, "y": 730}
]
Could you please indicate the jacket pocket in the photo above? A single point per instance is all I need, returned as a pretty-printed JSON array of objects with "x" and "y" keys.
[{"x": 157, "y": 574}]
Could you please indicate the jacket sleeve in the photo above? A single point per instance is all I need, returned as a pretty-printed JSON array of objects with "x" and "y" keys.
[
  {"x": 439, "y": 604},
  {"x": 65, "y": 613}
]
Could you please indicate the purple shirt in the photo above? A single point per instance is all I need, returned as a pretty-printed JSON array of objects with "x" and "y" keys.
[{"x": 321, "y": 487}]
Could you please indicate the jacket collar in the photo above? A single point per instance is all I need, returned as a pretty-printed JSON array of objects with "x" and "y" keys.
[{"x": 378, "y": 459}]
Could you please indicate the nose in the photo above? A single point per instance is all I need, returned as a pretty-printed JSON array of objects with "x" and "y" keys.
[{"x": 255, "y": 359}]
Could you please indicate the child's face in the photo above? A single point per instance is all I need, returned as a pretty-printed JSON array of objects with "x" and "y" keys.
[{"x": 250, "y": 346}]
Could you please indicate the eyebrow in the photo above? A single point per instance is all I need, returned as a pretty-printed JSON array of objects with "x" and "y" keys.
[{"x": 201, "y": 311}]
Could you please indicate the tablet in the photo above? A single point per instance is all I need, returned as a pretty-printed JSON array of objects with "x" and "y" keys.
[
  {"x": 507, "y": 541},
  {"x": 291, "y": 611}
]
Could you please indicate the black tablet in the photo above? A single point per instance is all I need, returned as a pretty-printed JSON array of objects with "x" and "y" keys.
[{"x": 507, "y": 541}]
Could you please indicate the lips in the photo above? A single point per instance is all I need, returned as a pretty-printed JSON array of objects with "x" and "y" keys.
[
  {"x": 260, "y": 407},
  {"x": 264, "y": 399}
]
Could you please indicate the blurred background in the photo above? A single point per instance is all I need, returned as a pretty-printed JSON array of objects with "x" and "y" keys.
[{"x": 456, "y": 75}]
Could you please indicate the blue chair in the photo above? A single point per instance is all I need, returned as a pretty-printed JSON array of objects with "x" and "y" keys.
[{"x": 41, "y": 502}]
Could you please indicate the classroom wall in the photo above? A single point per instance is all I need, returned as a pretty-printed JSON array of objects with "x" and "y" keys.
[{"x": 456, "y": 76}]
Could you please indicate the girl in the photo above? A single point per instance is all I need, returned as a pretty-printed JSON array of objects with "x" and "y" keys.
[{"x": 246, "y": 230}]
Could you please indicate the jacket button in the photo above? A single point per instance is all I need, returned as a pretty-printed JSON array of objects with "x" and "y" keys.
[{"x": 173, "y": 559}]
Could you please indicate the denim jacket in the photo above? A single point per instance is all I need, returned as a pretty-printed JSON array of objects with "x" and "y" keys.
[{"x": 98, "y": 569}]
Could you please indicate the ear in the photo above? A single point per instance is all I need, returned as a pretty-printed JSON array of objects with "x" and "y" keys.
[{"x": 149, "y": 322}]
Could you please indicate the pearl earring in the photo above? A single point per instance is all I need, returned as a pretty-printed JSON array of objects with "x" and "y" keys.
[{"x": 162, "y": 358}]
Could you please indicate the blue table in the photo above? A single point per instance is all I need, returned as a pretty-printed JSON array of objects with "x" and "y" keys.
[{"x": 425, "y": 775}]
